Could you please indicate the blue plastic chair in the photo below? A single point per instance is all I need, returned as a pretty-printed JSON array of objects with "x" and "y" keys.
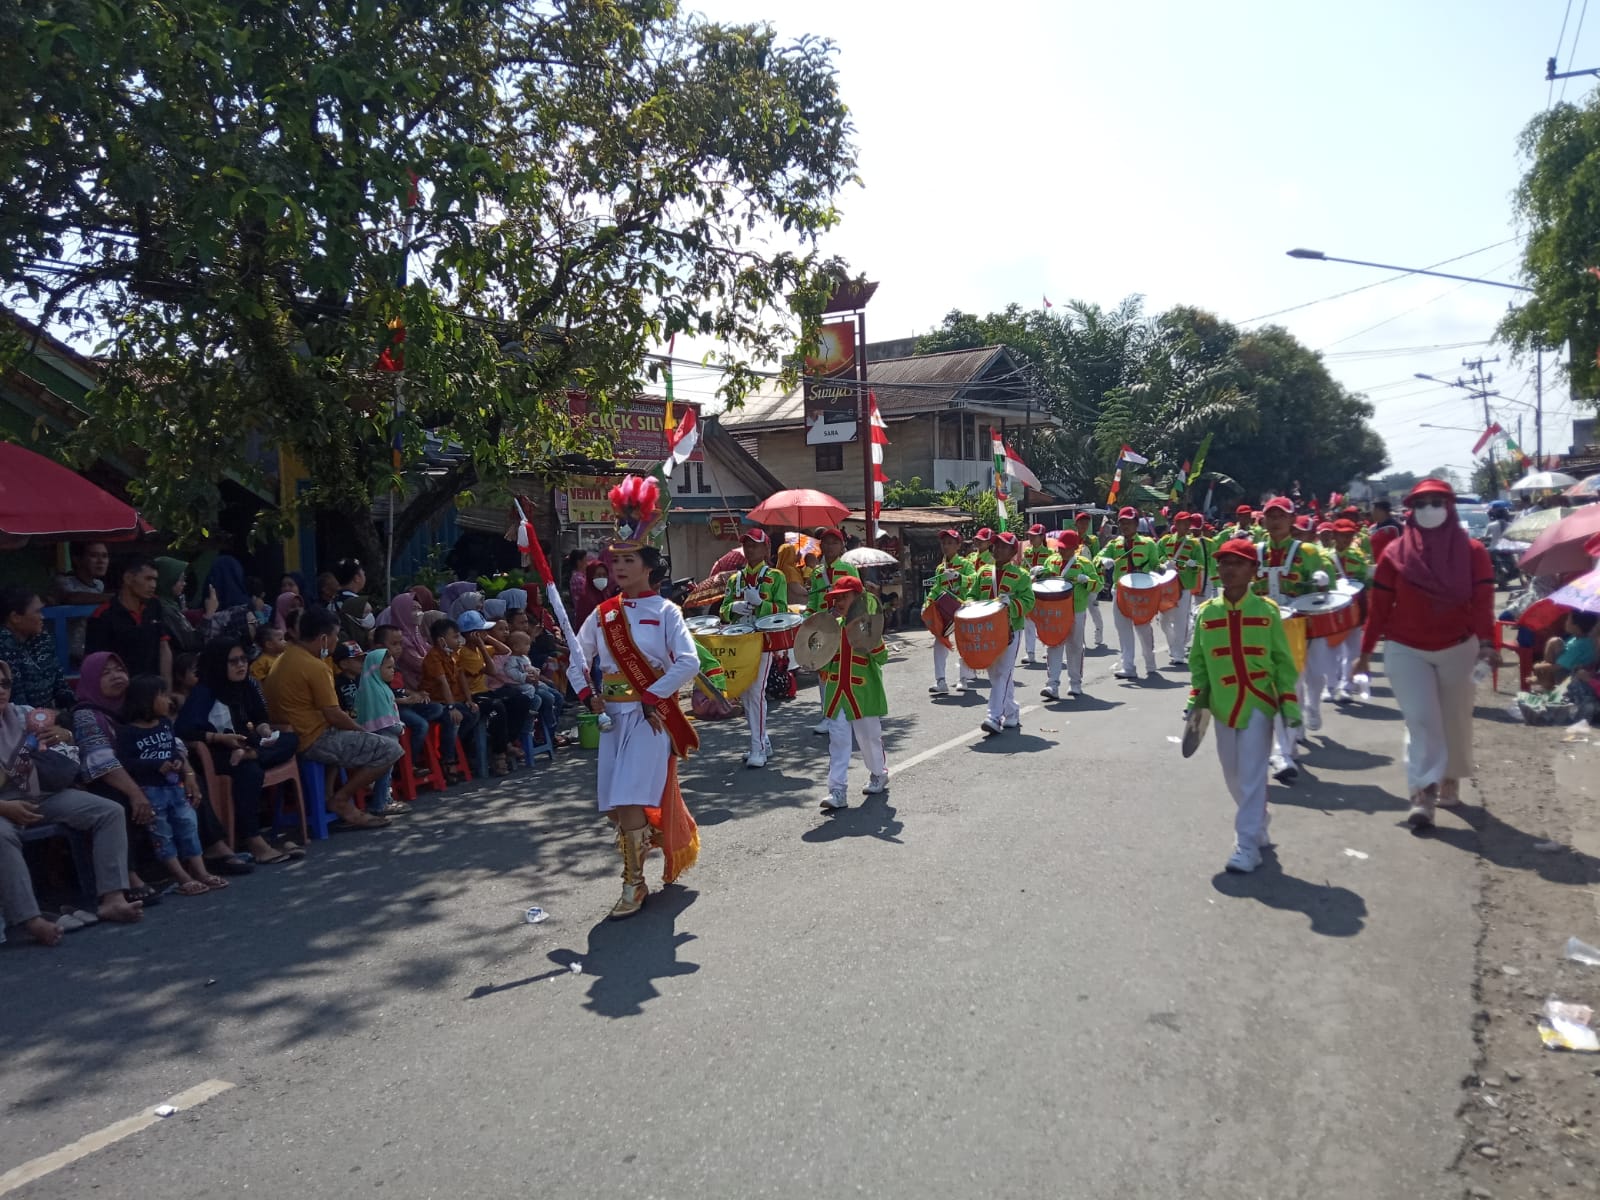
[
  {"x": 314, "y": 785},
  {"x": 58, "y": 615},
  {"x": 546, "y": 744}
]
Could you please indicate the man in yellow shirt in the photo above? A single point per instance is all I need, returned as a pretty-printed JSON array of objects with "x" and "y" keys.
[{"x": 300, "y": 694}]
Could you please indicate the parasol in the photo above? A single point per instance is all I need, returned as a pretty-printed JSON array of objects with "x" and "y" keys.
[
  {"x": 731, "y": 561},
  {"x": 42, "y": 498},
  {"x": 799, "y": 507},
  {"x": 1583, "y": 593},
  {"x": 1543, "y": 481},
  {"x": 1560, "y": 548},
  {"x": 804, "y": 544},
  {"x": 1529, "y": 525},
  {"x": 1585, "y": 489},
  {"x": 866, "y": 556}
]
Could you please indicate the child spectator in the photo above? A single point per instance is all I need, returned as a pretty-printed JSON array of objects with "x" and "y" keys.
[
  {"x": 518, "y": 671},
  {"x": 151, "y": 753},
  {"x": 417, "y": 713},
  {"x": 270, "y": 644},
  {"x": 185, "y": 677},
  {"x": 376, "y": 712},
  {"x": 505, "y": 710},
  {"x": 447, "y": 685},
  {"x": 1563, "y": 656},
  {"x": 347, "y": 658}
]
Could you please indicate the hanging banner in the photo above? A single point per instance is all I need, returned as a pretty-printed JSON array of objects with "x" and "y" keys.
[
  {"x": 637, "y": 429},
  {"x": 724, "y": 529},
  {"x": 830, "y": 386},
  {"x": 586, "y": 500}
]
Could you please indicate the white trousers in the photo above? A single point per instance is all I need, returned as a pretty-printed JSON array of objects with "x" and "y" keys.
[
  {"x": 1322, "y": 665},
  {"x": 868, "y": 733},
  {"x": 1069, "y": 652},
  {"x": 1003, "y": 684},
  {"x": 1126, "y": 632},
  {"x": 1094, "y": 615},
  {"x": 941, "y": 659},
  {"x": 1244, "y": 754},
  {"x": 1348, "y": 651},
  {"x": 754, "y": 698},
  {"x": 1435, "y": 693},
  {"x": 1175, "y": 624}
]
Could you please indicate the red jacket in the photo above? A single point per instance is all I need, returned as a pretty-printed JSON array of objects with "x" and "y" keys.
[{"x": 1401, "y": 612}]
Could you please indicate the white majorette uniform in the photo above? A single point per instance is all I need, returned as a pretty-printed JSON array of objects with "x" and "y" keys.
[{"x": 633, "y": 756}]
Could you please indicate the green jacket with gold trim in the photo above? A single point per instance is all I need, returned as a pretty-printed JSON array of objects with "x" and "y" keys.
[
  {"x": 767, "y": 580},
  {"x": 1141, "y": 555},
  {"x": 852, "y": 684},
  {"x": 1084, "y": 576},
  {"x": 1294, "y": 562},
  {"x": 1190, "y": 555},
  {"x": 1239, "y": 662},
  {"x": 961, "y": 588},
  {"x": 824, "y": 578},
  {"x": 1011, "y": 583}
]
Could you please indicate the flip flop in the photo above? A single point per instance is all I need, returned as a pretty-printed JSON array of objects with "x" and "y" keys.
[
  {"x": 146, "y": 895},
  {"x": 192, "y": 888},
  {"x": 234, "y": 865},
  {"x": 372, "y": 822},
  {"x": 276, "y": 859},
  {"x": 86, "y": 917},
  {"x": 68, "y": 923}
]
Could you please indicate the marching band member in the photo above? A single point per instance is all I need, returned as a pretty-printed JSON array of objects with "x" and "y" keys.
[
  {"x": 1091, "y": 550},
  {"x": 1008, "y": 582},
  {"x": 758, "y": 590},
  {"x": 1124, "y": 555},
  {"x": 1242, "y": 672},
  {"x": 982, "y": 555},
  {"x": 1035, "y": 558},
  {"x": 833, "y": 569},
  {"x": 1285, "y": 566},
  {"x": 1078, "y": 569},
  {"x": 854, "y": 701},
  {"x": 646, "y": 655},
  {"x": 954, "y": 576},
  {"x": 1184, "y": 551},
  {"x": 1355, "y": 566}
]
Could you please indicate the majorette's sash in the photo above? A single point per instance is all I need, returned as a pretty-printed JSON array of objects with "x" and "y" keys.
[{"x": 679, "y": 835}]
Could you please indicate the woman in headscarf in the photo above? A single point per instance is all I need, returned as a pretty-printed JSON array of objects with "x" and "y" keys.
[
  {"x": 377, "y": 712},
  {"x": 424, "y": 598},
  {"x": 356, "y": 620},
  {"x": 450, "y": 591},
  {"x": 226, "y": 579},
  {"x": 287, "y": 603},
  {"x": 494, "y": 610},
  {"x": 406, "y": 616},
  {"x": 516, "y": 600},
  {"x": 172, "y": 581},
  {"x": 596, "y": 586},
  {"x": 95, "y": 720},
  {"x": 23, "y": 801},
  {"x": 464, "y": 602},
  {"x": 1432, "y": 599},
  {"x": 228, "y": 713}
]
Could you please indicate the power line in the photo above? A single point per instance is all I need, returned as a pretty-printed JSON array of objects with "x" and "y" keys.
[
  {"x": 1550, "y": 96},
  {"x": 1578, "y": 33},
  {"x": 1414, "y": 308}
]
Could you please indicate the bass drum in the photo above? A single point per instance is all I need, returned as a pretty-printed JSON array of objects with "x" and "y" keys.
[
  {"x": 983, "y": 631},
  {"x": 1139, "y": 596},
  {"x": 738, "y": 649},
  {"x": 1053, "y": 612}
]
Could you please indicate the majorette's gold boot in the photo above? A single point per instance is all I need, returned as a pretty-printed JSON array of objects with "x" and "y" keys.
[{"x": 634, "y": 890}]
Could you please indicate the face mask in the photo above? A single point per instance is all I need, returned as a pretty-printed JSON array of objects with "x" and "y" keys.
[
  {"x": 368, "y": 621},
  {"x": 1431, "y": 518},
  {"x": 601, "y": 582},
  {"x": 324, "y": 652}
]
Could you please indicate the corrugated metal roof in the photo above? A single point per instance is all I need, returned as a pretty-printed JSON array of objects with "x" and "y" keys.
[{"x": 985, "y": 377}]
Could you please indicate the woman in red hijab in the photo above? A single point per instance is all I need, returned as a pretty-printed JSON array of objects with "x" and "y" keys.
[{"x": 1432, "y": 599}]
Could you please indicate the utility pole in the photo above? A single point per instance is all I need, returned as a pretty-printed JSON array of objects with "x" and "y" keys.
[
  {"x": 1479, "y": 388},
  {"x": 1538, "y": 407}
]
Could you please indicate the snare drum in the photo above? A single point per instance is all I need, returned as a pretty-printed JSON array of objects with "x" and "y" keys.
[
  {"x": 1330, "y": 615},
  {"x": 1294, "y": 628},
  {"x": 777, "y": 631},
  {"x": 939, "y": 615},
  {"x": 1353, "y": 587},
  {"x": 738, "y": 649},
  {"x": 706, "y": 624},
  {"x": 983, "y": 631},
  {"x": 1053, "y": 612},
  {"x": 1171, "y": 590},
  {"x": 1139, "y": 596}
]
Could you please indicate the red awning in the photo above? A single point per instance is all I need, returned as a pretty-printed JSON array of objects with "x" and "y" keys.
[{"x": 42, "y": 498}]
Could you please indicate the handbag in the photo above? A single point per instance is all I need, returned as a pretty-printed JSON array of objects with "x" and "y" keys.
[{"x": 56, "y": 769}]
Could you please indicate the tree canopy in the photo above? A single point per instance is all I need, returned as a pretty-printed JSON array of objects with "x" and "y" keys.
[
  {"x": 253, "y": 201},
  {"x": 1558, "y": 201},
  {"x": 1162, "y": 384}
]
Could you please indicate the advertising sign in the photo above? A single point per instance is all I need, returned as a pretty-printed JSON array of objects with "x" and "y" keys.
[
  {"x": 831, "y": 388},
  {"x": 637, "y": 429}
]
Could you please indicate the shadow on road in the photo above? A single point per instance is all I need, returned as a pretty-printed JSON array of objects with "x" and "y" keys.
[
  {"x": 876, "y": 818},
  {"x": 625, "y": 958},
  {"x": 1333, "y": 911},
  {"x": 1507, "y": 846},
  {"x": 1329, "y": 754},
  {"x": 1337, "y": 797},
  {"x": 1012, "y": 742},
  {"x": 1371, "y": 712}
]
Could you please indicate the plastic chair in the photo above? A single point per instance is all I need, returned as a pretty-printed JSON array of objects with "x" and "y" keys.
[
  {"x": 312, "y": 779},
  {"x": 1525, "y": 654},
  {"x": 530, "y": 747},
  {"x": 220, "y": 789},
  {"x": 58, "y": 615}
]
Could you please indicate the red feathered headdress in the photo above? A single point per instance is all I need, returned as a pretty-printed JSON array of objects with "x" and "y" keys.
[{"x": 636, "y": 502}]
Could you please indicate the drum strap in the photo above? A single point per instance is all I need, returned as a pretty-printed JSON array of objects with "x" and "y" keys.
[{"x": 1274, "y": 574}]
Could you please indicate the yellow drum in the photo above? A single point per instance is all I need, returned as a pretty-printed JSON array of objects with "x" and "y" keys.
[
  {"x": 1294, "y": 628},
  {"x": 738, "y": 649}
]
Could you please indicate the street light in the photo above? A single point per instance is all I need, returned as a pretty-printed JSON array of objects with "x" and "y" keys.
[{"x": 1319, "y": 256}]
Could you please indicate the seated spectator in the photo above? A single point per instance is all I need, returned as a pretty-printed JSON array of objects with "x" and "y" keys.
[
  {"x": 84, "y": 585},
  {"x": 351, "y": 578},
  {"x": 185, "y": 677},
  {"x": 228, "y": 713},
  {"x": 346, "y": 660},
  {"x": 283, "y": 612},
  {"x": 129, "y": 624},
  {"x": 290, "y": 583},
  {"x": 417, "y": 713},
  {"x": 1564, "y": 655},
  {"x": 446, "y": 684},
  {"x": 405, "y": 615},
  {"x": 172, "y": 584},
  {"x": 28, "y": 648},
  {"x": 327, "y": 589},
  {"x": 259, "y": 608},
  {"x": 503, "y": 708},
  {"x": 356, "y": 620},
  {"x": 96, "y": 721},
  {"x": 377, "y": 712},
  {"x": 270, "y": 644},
  {"x": 518, "y": 671},
  {"x": 226, "y": 580},
  {"x": 300, "y": 694},
  {"x": 464, "y": 603},
  {"x": 155, "y": 758},
  {"x": 23, "y": 803}
]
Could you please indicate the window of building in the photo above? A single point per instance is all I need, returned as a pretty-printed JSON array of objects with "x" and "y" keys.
[{"x": 830, "y": 458}]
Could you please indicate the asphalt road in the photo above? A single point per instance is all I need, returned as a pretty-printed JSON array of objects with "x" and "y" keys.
[{"x": 1022, "y": 973}]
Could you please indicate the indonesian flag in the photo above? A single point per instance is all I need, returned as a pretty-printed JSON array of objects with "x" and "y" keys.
[
  {"x": 1047, "y": 303},
  {"x": 1483, "y": 438},
  {"x": 1128, "y": 455},
  {"x": 1007, "y": 463},
  {"x": 682, "y": 439},
  {"x": 880, "y": 439}
]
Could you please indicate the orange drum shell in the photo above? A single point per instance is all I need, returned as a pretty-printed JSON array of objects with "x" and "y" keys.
[
  {"x": 774, "y": 640},
  {"x": 1053, "y": 615},
  {"x": 940, "y": 615},
  {"x": 1139, "y": 604},
  {"x": 1171, "y": 593},
  {"x": 1333, "y": 624},
  {"x": 980, "y": 640}
]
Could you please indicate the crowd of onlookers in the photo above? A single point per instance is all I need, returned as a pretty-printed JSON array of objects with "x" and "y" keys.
[{"x": 166, "y": 686}]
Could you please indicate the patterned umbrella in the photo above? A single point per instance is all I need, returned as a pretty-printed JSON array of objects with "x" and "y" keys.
[
  {"x": 1585, "y": 489},
  {"x": 731, "y": 561},
  {"x": 1583, "y": 593},
  {"x": 1563, "y": 546},
  {"x": 1530, "y": 525}
]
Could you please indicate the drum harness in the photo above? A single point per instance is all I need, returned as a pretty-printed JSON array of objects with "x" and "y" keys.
[{"x": 1274, "y": 574}]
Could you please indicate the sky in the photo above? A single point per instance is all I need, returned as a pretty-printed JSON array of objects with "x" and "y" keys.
[{"x": 1017, "y": 150}]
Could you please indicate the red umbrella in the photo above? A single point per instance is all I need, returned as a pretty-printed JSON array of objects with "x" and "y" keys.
[
  {"x": 800, "y": 507},
  {"x": 42, "y": 498},
  {"x": 1559, "y": 550}
]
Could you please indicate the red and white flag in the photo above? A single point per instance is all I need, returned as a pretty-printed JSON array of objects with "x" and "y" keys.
[
  {"x": 681, "y": 440},
  {"x": 1130, "y": 456},
  {"x": 1483, "y": 438},
  {"x": 1006, "y": 458},
  {"x": 1046, "y": 300},
  {"x": 880, "y": 439}
]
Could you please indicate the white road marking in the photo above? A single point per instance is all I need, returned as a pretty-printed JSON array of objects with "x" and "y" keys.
[
  {"x": 965, "y": 739},
  {"x": 39, "y": 1167}
]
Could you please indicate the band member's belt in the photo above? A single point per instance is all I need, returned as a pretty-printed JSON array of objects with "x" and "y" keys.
[{"x": 616, "y": 689}]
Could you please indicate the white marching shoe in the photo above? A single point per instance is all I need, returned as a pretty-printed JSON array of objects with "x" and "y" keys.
[
  {"x": 1243, "y": 860},
  {"x": 877, "y": 785},
  {"x": 836, "y": 799},
  {"x": 941, "y": 688}
]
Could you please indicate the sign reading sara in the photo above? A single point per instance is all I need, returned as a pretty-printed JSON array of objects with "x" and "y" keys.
[{"x": 831, "y": 389}]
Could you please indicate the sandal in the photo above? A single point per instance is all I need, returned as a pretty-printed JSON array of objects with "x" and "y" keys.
[
  {"x": 234, "y": 864},
  {"x": 282, "y": 857},
  {"x": 146, "y": 895},
  {"x": 395, "y": 808},
  {"x": 368, "y": 822},
  {"x": 192, "y": 887}
]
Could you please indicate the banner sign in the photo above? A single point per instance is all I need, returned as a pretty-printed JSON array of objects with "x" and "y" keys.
[
  {"x": 830, "y": 386},
  {"x": 725, "y": 529},
  {"x": 637, "y": 429},
  {"x": 585, "y": 502}
]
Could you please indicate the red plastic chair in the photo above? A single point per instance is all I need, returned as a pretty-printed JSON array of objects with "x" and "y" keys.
[{"x": 1526, "y": 655}]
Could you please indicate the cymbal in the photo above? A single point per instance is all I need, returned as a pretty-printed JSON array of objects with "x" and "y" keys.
[
  {"x": 816, "y": 642},
  {"x": 865, "y": 631}
]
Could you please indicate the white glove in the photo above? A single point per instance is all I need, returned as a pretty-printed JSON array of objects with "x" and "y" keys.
[
  {"x": 752, "y": 595},
  {"x": 740, "y": 608},
  {"x": 950, "y": 576}
]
